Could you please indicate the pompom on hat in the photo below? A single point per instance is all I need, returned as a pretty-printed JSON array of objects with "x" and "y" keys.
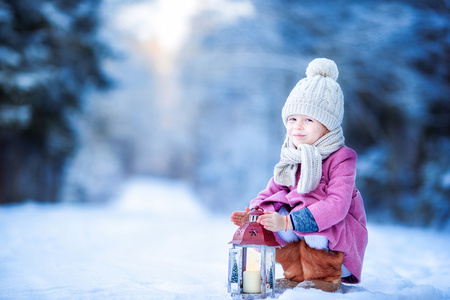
[{"x": 318, "y": 95}]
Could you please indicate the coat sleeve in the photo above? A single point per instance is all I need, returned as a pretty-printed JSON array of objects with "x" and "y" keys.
[
  {"x": 335, "y": 207},
  {"x": 272, "y": 197},
  {"x": 303, "y": 221}
]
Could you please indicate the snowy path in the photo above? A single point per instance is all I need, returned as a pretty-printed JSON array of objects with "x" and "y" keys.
[{"x": 144, "y": 247}]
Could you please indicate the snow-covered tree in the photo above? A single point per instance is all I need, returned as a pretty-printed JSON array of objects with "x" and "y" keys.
[
  {"x": 234, "y": 273},
  {"x": 49, "y": 57}
]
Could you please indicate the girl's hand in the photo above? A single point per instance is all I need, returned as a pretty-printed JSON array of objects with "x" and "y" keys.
[
  {"x": 273, "y": 221},
  {"x": 240, "y": 217}
]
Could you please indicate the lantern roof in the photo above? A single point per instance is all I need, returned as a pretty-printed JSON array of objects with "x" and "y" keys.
[{"x": 253, "y": 233}]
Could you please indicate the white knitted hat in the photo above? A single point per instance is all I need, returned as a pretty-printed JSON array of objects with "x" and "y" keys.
[{"x": 318, "y": 95}]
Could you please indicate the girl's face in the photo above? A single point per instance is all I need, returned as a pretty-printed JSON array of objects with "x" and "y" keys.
[{"x": 302, "y": 129}]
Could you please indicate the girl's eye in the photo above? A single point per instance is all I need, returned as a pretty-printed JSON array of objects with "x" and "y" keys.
[
  {"x": 293, "y": 119},
  {"x": 309, "y": 120}
]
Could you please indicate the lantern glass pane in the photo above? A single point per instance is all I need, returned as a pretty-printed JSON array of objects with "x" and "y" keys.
[
  {"x": 253, "y": 259},
  {"x": 251, "y": 279},
  {"x": 270, "y": 270},
  {"x": 235, "y": 270}
]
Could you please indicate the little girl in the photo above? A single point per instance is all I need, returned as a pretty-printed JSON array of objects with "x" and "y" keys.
[{"x": 312, "y": 202}]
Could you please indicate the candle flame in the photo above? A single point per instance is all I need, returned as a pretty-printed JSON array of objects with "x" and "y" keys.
[
  {"x": 253, "y": 260},
  {"x": 253, "y": 267}
]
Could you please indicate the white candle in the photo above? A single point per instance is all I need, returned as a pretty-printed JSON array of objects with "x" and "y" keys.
[{"x": 252, "y": 282}]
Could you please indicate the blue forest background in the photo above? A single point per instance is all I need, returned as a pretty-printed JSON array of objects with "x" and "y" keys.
[{"x": 95, "y": 92}]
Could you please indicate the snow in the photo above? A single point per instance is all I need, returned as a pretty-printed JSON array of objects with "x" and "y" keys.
[
  {"x": 446, "y": 180},
  {"x": 15, "y": 114},
  {"x": 156, "y": 242}
]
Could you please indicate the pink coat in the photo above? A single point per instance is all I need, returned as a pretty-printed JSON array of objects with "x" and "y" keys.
[{"x": 336, "y": 205}]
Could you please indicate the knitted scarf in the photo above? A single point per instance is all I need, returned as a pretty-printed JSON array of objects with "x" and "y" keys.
[{"x": 310, "y": 159}]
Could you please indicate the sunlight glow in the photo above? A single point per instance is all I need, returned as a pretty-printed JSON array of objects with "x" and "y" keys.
[{"x": 168, "y": 21}]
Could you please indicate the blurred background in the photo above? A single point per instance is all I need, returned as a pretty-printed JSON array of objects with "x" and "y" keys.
[{"x": 95, "y": 92}]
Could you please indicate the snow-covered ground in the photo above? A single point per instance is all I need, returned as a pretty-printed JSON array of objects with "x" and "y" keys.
[{"x": 156, "y": 242}]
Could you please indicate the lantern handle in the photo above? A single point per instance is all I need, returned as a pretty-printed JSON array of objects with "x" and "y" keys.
[{"x": 257, "y": 208}]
